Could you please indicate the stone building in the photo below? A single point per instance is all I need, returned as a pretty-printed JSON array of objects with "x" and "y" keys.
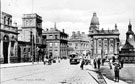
[
  {"x": 78, "y": 43},
  {"x": 103, "y": 42},
  {"x": 127, "y": 52},
  {"x": 8, "y": 39},
  {"x": 56, "y": 42},
  {"x": 30, "y": 37}
]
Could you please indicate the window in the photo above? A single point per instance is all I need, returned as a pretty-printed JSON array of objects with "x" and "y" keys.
[
  {"x": 50, "y": 44},
  {"x": 50, "y": 36},
  {"x": 56, "y": 44},
  {"x": 24, "y": 50},
  {"x": 56, "y": 37}
]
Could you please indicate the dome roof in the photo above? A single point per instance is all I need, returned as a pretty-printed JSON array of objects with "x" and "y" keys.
[{"x": 94, "y": 20}]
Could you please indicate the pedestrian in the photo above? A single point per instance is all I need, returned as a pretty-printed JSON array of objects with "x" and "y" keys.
[
  {"x": 82, "y": 64},
  {"x": 110, "y": 63},
  {"x": 45, "y": 60},
  {"x": 103, "y": 61},
  {"x": 113, "y": 59},
  {"x": 98, "y": 63},
  {"x": 94, "y": 62},
  {"x": 122, "y": 62},
  {"x": 116, "y": 72}
]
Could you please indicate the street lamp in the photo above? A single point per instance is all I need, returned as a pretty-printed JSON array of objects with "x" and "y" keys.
[{"x": 31, "y": 36}]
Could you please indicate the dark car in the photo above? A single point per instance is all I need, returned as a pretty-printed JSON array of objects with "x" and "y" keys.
[{"x": 74, "y": 60}]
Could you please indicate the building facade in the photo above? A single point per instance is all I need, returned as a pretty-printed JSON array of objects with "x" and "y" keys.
[
  {"x": 30, "y": 37},
  {"x": 56, "y": 42},
  {"x": 8, "y": 39},
  {"x": 78, "y": 43},
  {"x": 103, "y": 42},
  {"x": 127, "y": 52}
]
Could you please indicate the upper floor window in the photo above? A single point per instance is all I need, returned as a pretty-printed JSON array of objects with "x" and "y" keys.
[
  {"x": 50, "y": 36},
  {"x": 56, "y": 44},
  {"x": 56, "y": 37},
  {"x": 24, "y": 50},
  {"x": 50, "y": 44}
]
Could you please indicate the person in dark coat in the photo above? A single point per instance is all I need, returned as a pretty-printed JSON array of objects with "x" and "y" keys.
[
  {"x": 122, "y": 62},
  {"x": 82, "y": 64},
  {"x": 116, "y": 72},
  {"x": 94, "y": 62},
  {"x": 103, "y": 61},
  {"x": 98, "y": 63}
]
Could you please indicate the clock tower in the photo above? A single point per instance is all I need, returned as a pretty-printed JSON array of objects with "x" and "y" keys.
[
  {"x": 127, "y": 53},
  {"x": 130, "y": 34}
]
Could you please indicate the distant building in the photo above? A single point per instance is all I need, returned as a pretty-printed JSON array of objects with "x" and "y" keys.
[
  {"x": 8, "y": 39},
  {"x": 78, "y": 43},
  {"x": 127, "y": 52},
  {"x": 103, "y": 42},
  {"x": 56, "y": 42},
  {"x": 30, "y": 37}
]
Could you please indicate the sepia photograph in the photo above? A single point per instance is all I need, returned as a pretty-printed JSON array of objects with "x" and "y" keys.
[{"x": 67, "y": 41}]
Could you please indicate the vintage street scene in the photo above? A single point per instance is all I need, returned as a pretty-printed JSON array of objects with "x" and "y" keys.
[{"x": 67, "y": 42}]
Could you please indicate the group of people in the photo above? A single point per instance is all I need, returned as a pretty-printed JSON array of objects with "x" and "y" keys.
[
  {"x": 117, "y": 63},
  {"x": 96, "y": 62}
]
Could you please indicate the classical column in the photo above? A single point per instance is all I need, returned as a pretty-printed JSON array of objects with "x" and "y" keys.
[
  {"x": 9, "y": 48},
  {"x": 108, "y": 46},
  {"x": 14, "y": 48},
  {"x": 114, "y": 46},
  {"x": 102, "y": 44},
  {"x": 1, "y": 48},
  {"x": 96, "y": 47}
]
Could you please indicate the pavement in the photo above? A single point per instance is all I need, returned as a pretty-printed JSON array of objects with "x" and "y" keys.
[
  {"x": 108, "y": 81},
  {"x": 11, "y": 65},
  {"x": 88, "y": 68}
]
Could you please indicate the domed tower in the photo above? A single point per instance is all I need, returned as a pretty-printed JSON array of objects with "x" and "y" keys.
[{"x": 94, "y": 25}]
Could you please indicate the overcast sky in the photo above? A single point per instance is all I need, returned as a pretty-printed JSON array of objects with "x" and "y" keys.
[{"x": 75, "y": 15}]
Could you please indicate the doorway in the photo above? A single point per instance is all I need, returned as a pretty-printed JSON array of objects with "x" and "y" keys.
[
  {"x": 19, "y": 54},
  {"x": 5, "y": 51}
]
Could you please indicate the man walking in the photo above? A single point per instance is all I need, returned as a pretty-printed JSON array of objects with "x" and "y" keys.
[
  {"x": 94, "y": 62},
  {"x": 82, "y": 64},
  {"x": 98, "y": 62},
  {"x": 116, "y": 72}
]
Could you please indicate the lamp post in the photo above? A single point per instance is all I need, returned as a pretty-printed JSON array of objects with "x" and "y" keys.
[
  {"x": 31, "y": 36},
  {"x": 0, "y": 15}
]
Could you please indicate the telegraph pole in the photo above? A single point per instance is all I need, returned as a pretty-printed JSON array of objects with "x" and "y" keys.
[
  {"x": 32, "y": 6},
  {"x": 31, "y": 36},
  {"x": 0, "y": 14}
]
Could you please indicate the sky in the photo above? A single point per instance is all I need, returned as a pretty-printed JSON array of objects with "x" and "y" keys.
[{"x": 75, "y": 15}]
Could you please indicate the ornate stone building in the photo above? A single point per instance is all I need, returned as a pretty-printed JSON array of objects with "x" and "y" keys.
[
  {"x": 30, "y": 37},
  {"x": 56, "y": 42},
  {"x": 127, "y": 52},
  {"x": 103, "y": 42},
  {"x": 78, "y": 43},
  {"x": 8, "y": 39}
]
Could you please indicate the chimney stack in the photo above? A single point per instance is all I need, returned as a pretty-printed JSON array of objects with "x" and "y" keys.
[{"x": 63, "y": 30}]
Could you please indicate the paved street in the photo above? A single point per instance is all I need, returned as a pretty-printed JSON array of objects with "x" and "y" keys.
[{"x": 56, "y": 73}]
